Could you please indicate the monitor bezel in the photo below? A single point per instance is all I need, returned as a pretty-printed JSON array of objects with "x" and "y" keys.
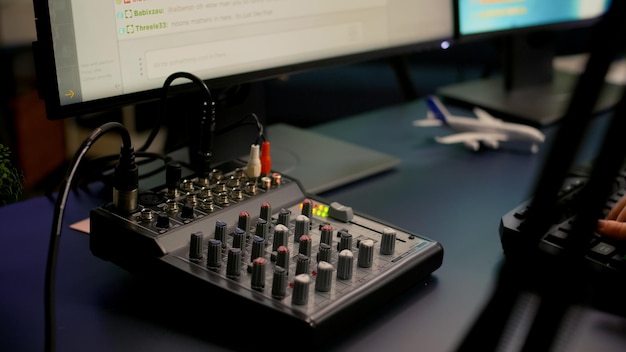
[{"x": 49, "y": 92}]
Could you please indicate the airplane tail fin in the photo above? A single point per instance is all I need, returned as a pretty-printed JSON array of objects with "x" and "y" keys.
[{"x": 437, "y": 108}]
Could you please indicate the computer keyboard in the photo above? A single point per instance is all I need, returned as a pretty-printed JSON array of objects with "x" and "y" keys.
[
  {"x": 604, "y": 258},
  {"x": 267, "y": 251}
]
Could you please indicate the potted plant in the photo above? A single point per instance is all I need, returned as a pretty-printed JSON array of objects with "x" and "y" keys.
[{"x": 10, "y": 178}]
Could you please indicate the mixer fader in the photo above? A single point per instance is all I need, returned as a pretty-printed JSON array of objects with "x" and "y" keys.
[{"x": 268, "y": 244}]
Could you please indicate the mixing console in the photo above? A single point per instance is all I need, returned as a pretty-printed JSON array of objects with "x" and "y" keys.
[{"x": 265, "y": 246}]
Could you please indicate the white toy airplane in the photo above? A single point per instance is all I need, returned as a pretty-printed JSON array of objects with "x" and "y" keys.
[{"x": 484, "y": 130}]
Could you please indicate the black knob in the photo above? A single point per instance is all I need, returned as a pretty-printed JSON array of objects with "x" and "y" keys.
[
  {"x": 173, "y": 174},
  {"x": 187, "y": 212},
  {"x": 163, "y": 221}
]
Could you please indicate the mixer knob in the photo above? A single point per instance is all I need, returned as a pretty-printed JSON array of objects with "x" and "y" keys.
[
  {"x": 302, "y": 264},
  {"x": 302, "y": 227},
  {"x": 323, "y": 255},
  {"x": 307, "y": 208},
  {"x": 282, "y": 257},
  {"x": 233, "y": 263},
  {"x": 266, "y": 211},
  {"x": 283, "y": 216},
  {"x": 345, "y": 240},
  {"x": 262, "y": 227},
  {"x": 258, "y": 245},
  {"x": 239, "y": 239},
  {"x": 163, "y": 221},
  {"x": 243, "y": 222},
  {"x": 187, "y": 212},
  {"x": 279, "y": 282},
  {"x": 195, "y": 247},
  {"x": 220, "y": 232},
  {"x": 281, "y": 234},
  {"x": 344, "y": 265},
  {"x": 366, "y": 254},
  {"x": 388, "y": 241},
  {"x": 326, "y": 236},
  {"x": 305, "y": 244},
  {"x": 258, "y": 274},
  {"x": 324, "y": 278},
  {"x": 300, "y": 289},
  {"x": 214, "y": 254}
]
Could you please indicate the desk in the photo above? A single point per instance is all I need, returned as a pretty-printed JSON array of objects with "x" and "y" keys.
[{"x": 443, "y": 192}]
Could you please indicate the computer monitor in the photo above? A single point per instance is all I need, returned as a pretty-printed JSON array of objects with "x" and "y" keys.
[
  {"x": 95, "y": 55},
  {"x": 529, "y": 90}
]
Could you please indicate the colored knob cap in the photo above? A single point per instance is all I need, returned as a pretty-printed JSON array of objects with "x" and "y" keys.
[
  {"x": 324, "y": 278},
  {"x": 214, "y": 254},
  {"x": 307, "y": 208},
  {"x": 282, "y": 257},
  {"x": 233, "y": 263},
  {"x": 243, "y": 222},
  {"x": 281, "y": 234},
  {"x": 344, "y": 265},
  {"x": 366, "y": 254},
  {"x": 300, "y": 289},
  {"x": 258, "y": 274},
  {"x": 266, "y": 212},
  {"x": 326, "y": 236},
  {"x": 239, "y": 239},
  {"x": 388, "y": 241},
  {"x": 302, "y": 227},
  {"x": 304, "y": 245},
  {"x": 220, "y": 232},
  {"x": 258, "y": 245}
]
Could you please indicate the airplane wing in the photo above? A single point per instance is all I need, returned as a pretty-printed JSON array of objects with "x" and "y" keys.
[
  {"x": 472, "y": 140},
  {"x": 484, "y": 115},
  {"x": 427, "y": 123}
]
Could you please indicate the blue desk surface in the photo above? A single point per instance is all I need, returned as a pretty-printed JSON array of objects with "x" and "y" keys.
[{"x": 444, "y": 192}]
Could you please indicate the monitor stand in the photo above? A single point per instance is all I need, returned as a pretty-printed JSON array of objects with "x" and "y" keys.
[
  {"x": 539, "y": 106},
  {"x": 319, "y": 162},
  {"x": 530, "y": 89}
]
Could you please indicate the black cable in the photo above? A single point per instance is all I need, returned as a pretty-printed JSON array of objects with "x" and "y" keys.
[
  {"x": 53, "y": 248},
  {"x": 208, "y": 101},
  {"x": 257, "y": 122}
]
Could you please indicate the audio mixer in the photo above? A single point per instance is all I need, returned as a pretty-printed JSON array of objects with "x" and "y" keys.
[{"x": 264, "y": 246}]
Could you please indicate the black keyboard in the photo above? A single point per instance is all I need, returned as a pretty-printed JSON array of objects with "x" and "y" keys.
[{"x": 604, "y": 258}]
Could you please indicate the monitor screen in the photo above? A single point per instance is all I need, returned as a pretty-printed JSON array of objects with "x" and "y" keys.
[
  {"x": 93, "y": 55},
  {"x": 489, "y": 16},
  {"x": 528, "y": 88}
]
